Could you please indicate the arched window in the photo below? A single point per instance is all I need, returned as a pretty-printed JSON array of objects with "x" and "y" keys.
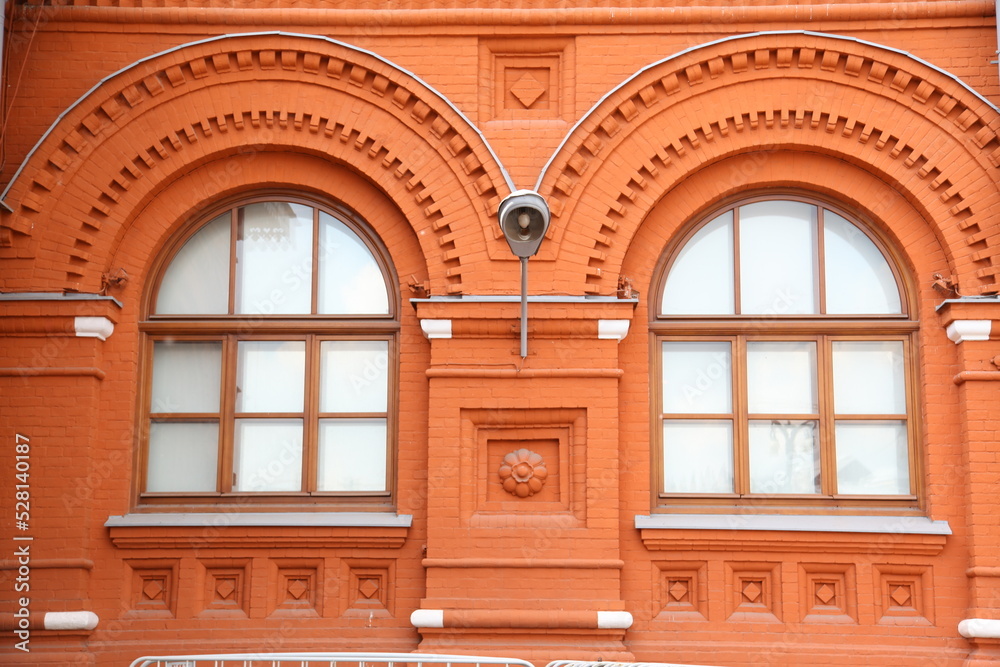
[
  {"x": 270, "y": 360},
  {"x": 784, "y": 362}
]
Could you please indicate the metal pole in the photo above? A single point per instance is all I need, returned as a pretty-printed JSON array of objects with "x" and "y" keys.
[{"x": 524, "y": 307}]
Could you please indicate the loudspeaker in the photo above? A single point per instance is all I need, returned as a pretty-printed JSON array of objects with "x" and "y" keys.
[{"x": 524, "y": 219}]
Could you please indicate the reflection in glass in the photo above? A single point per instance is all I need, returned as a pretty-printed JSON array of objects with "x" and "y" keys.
[
  {"x": 274, "y": 259},
  {"x": 784, "y": 457},
  {"x": 183, "y": 457},
  {"x": 697, "y": 456},
  {"x": 701, "y": 278},
  {"x": 350, "y": 280},
  {"x": 186, "y": 377},
  {"x": 354, "y": 376},
  {"x": 197, "y": 280},
  {"x": 781, "y": 377},
  {"x": 872, "y": 458},
  {"x": 352, "y": 455},
  {"x": 858, "y": 278},
  {"x": 270, "y": 376},
  {"x": 268, "y": 455},
  {"x": 868, "y": 378},
  {"x": 778, "y": 258},
  {"x": 697, "y": 377}
]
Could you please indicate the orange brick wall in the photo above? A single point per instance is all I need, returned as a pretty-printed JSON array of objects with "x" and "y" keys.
[{"x": 125, "y": 121}]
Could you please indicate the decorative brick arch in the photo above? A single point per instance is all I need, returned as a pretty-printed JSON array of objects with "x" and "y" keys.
[
  {"x": 149, "y": 124},
  {"x": 910, "y": 125}
]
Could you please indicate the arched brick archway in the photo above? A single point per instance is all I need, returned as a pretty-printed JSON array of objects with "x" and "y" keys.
[
  {"x": 912, "y": 126},
  {"x": 233, "y": 97}
]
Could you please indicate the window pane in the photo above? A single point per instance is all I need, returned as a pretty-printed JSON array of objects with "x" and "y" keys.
[
  {"x": 183, "y": 457},
  {"x": 778, "y": 258},
  {"x": 872, "y": 458},
  {"x": 701, "y": 278},
  {"x": 274, "y": 259},
  {"x": 868, "y": 378},
  {"x": 354, "y": 376},
  {"x": 858, "y": 278},
  {"x": 784, "y": 457},
  {"x": 186, "y": 377},
  {"x": 697, "y": 456},
  {"x": 697, "y": 377},
  {"x": 352, "y": 455},
  {"x": 350, "y": 280},
  {"x": 270, "y": 376},
  {"x": 268, "y": 455},
  {"x": 197, "y": 280},
  {"x": 781, "y": 377}
]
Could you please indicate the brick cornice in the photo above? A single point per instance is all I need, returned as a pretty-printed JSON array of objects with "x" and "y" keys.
[
  {"x": 918, "y": 127},
  {"x": 511, "y": 13},
  {"x": 158, "y": 118}
]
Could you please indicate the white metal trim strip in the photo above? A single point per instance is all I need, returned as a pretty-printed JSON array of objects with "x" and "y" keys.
[{"x": 894, "y": 525}]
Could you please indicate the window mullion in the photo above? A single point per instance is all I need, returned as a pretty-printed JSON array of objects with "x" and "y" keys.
[
  {"x": 392, "y": 409},
  {"x": 310, "y": 417},
  {"x": 315, "y": 273},
  {"x": 740, "y": 417},
  {"x": 820, "y": 260},
  {"x": 827, "y": 417},
  {"x": 737, "y": 288},
  {"x": 228, "y": 409},
  {"x": 656, "y": 354},
  {"x": 234, "y": 230},
  {"x": 911, "y": 408}
]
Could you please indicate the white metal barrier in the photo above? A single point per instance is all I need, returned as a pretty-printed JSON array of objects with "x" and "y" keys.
[
  {"x": 366, "y": 660},
  {"x": 579, "y": 663},
  {"x": 324, "y": 660}
]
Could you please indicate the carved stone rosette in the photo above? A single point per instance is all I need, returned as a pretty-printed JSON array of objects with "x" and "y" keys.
[{"x": 523, "y": 473}]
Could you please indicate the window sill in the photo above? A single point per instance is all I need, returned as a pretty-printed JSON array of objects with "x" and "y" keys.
[
  {"x": 236, "y": 529},
  {"x": 770, "y": 532}
]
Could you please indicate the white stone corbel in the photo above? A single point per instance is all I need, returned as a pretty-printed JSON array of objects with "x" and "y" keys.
[
  {"x": 979, "y": 628},
  {"x": 70, "y": 620},
  {"x": 436, "y": 328},
  {"x": 427, "y": 618},
  {"x": 93, "y": 327},
  {"x": 961, "y": 331},
  {"x": 614, "y": 620},
  {"x": 612, "y": 329}
]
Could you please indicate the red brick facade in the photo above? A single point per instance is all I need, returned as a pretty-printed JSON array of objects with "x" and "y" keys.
[{"x": 125, "y": 123}]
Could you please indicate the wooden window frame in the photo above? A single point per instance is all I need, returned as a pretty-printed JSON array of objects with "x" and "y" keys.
[
  {"x": 824, "y": 329},
  {"x": 230, "y": 329}
]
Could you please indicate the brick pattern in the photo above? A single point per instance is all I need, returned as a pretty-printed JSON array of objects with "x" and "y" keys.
[
  {"x": 154, "y": 588},
  {"x": 682, "y": 590},
  {"x": 377, "y": 144},
  {"x": 890, "y": 137},
  {"x": 226, "y": 588},
  {"x": 297, "y": 589},
  {"x": 368, "y": 588},
  {"x": 905, "y": 595},
  {"x": 836, "y": 91}
]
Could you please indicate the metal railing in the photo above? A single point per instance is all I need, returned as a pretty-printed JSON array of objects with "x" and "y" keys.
[
  {"x": 324, "y": 660},
  {"x": 584, "y": 663}
]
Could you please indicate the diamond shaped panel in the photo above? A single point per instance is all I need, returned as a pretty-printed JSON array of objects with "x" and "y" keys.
[
  {"x": 678, "y": 590},
  {"x": 153, "y": 589},
  {"x": 297, "y": 588},
  {"x": 225, "y": 588},
  {"x": 369, "y": 587},
  {"x": 752, "y": 591},
  {"x": 825, "y": 593},
  {"x": 901, "y": 595},
  {"x": 527, "y": 90}
]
